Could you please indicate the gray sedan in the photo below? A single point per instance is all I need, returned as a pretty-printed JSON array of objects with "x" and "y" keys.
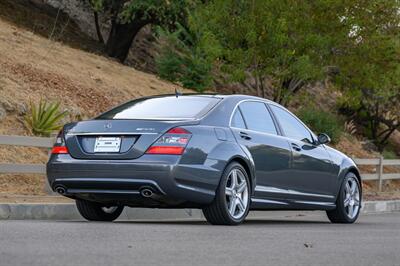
[{"x": 224, "y": 154}]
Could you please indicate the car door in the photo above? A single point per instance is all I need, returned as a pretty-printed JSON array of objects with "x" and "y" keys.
[
  {"x": 255, "y": 129},
  {"x": 312, "y": 173}
]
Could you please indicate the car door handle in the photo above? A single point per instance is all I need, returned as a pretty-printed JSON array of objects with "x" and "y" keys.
[
  {"x": 296, "y": 147},
  {"x": 244, "y": 135}
]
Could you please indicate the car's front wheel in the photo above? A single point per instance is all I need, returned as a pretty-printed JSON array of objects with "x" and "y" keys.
[
  {"x": 348, "y": 203},
  {"x": 93, "y": 211},
  {"x": 232, "y": 199}
]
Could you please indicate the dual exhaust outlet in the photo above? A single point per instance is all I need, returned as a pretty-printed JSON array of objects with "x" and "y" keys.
[
  {"x": 60, "y": 190},
  {"x": 145, "y": 192}
]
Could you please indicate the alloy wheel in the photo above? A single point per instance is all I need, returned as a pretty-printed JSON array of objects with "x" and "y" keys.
[
  {"x": 109, "y": 209},
  {"x": 237, "y": 193},
  {"x": 352, "y": 198}
]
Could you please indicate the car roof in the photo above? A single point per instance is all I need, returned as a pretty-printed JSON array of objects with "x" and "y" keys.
[{"x": 215, "y": 95}]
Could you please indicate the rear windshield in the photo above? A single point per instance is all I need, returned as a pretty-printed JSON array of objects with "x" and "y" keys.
[{"x": 167, "y": 107}]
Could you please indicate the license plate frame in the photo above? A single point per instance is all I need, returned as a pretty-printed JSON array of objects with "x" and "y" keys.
[{"x": 107, "y": 145}]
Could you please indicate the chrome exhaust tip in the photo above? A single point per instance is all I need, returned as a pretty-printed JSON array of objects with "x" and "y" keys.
[
  {"x": 60, "y": 190},
  {"x": 146, "y": 193}
]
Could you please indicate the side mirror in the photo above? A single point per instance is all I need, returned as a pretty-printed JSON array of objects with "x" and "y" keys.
[{"x": 323, "y": 138}]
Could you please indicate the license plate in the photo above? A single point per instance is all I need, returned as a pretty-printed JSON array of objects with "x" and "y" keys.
[{"x": 107, "y": 144}]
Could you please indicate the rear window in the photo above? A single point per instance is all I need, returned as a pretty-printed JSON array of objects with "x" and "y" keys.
[{"x": 163, "y": 108}]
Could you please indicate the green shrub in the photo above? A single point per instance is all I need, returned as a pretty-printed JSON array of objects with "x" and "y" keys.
[
  {"x": 192, "y": 72},
  {"x": 196, "y": 74},
  {"x": 322, "y": 122},
  {"x": 44, "y": 118},
  {"x": 390, "y": 152},
  {"x": 169, "y": 66},
  {"x": 182, "y": 60}
]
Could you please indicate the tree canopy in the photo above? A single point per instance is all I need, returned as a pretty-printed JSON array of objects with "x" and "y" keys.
[
  {"x": 128, "y": 17},
  {"x": 369, "y": 66},
  {"x": 285, "y": 42}
]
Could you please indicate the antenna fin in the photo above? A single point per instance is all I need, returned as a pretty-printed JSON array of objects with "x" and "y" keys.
[{"x": 177, "y": 93}]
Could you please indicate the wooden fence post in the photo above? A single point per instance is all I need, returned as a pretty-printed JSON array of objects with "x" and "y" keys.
[{"x": 380, "y": 173}]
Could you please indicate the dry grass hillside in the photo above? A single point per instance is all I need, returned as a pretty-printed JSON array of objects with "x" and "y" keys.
[{"x": 33, "y": 68}]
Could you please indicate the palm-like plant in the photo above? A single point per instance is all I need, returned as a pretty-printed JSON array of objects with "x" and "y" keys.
[{"x": 43, "y": 119}]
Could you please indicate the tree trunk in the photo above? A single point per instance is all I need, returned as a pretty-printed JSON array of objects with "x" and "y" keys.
[
  {"x": 121, "y": 37},
  {"x": 288, "y": 88},
  {"x": 98, "y": 30}
]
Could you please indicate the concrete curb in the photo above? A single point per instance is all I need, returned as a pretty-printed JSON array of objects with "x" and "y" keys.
[
  {"x": 68, "y": 211},
  {"x": 381, "y": 206}
]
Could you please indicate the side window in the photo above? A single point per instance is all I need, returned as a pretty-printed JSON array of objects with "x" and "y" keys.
[
  {"x": 257, "y": 117},
  {"x": 291, "y": 126},
  {"x": 237, "y": 120}
]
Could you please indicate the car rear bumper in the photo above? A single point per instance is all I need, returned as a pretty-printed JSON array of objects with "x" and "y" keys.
[{"x": 122, "y": 181}]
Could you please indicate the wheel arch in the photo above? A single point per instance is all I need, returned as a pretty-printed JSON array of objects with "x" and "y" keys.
[
  {"x": 347, "y": 166},
  {"x": 249, "y": 169},
  {"x": 228, "y": 151},
  {"x": 356, "y": 172}
]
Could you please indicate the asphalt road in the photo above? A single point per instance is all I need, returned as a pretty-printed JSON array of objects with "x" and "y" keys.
[{"x": 284, "y": 238}]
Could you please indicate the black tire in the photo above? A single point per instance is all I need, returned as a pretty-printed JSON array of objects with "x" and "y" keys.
[
  {"x": 93, "y": 211},
  {"x": 217, "y": 212},
  {"x": 339, "y": 215}
]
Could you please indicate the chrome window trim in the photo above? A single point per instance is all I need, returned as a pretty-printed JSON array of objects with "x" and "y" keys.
[
  {"x": 269, "y": 102},
  {"x": 258, "y": 132},
  {"x": 253, "y": 100},
  {"x": 298, "y": 119}
]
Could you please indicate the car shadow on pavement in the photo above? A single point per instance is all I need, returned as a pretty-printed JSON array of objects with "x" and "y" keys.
[
  {"x": 201, "y": 222},
  {"x": 251, "y": 221}
]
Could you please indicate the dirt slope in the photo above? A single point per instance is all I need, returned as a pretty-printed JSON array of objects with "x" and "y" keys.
[{"x": 33, "y": 67}]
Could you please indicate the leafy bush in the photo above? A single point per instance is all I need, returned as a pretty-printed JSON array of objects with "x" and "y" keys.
[
  {"x": 388, "y": 154},
  {"x": 169, "y": 66},
  {"x": 44, "y": 118},
  {"x": 322, "y": 122},
  {"x": 182, "y": 60},
  {"x": 191, "y": 72},
  {"x": 196, "y": 74}
]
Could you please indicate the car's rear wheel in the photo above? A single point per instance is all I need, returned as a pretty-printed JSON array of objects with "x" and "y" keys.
[
  {"x": 232, "y": 199},
  {"x": 348, "y": 203},
  {"x": 93, "y": 211}
]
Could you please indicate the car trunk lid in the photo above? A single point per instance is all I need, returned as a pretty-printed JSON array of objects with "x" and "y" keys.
[{"x": 115, "y": 139}]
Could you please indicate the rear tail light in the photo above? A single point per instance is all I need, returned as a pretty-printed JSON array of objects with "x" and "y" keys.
[
  {"x": 59, "y": 146},
  {"x": 173, "y": 142},
  {"x": 59, "y": 150}
]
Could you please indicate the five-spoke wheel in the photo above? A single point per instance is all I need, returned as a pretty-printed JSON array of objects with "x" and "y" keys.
[
  {"x": 237, "y": 193},
  {"x": 352, "y": 197},
  {"x": 348, "y": 203},
  {"x": 232, "y": 199}
]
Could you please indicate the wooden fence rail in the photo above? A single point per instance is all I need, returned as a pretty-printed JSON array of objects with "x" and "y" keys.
[
  {"x": 379, "y": 175},
  {"x": 11, "y": 168},
  {"x": 48, "y": 143}
]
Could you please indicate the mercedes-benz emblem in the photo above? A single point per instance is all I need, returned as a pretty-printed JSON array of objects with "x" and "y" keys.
[{"x": 108, "y": 125}]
